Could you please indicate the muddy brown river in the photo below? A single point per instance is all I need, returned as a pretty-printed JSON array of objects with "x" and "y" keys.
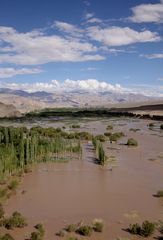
[{"x": 58, "y": 194}]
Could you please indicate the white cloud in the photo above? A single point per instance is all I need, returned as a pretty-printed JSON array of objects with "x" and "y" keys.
[
  {"x": 87, "y": 3},
  {"x": 153, "y": 56},
  {"x": 36, "y": 47},
  {"x": 10, "y": 72},
  {"x": 91, "y": 85},
  {"x": 89, "y": 69},
  {"x": 94, "y": 20},
  {"x": 68, "y": 28},
  {"x": 30, "y": 87},
  {"x": 118, "y": 36},
  {"x": 148, "y": 13},
  {"x": 147, "y": 90},
  {"x": 88, "y": 15}
]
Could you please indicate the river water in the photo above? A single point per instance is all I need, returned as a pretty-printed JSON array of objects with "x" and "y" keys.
[{"x": 64, "y": 193}]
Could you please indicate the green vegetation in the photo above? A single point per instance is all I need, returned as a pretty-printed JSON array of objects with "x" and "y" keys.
[
  {"x": 71, "y": 228},
  {"x": 132, "y": 142},
  {"x": 151, "y": 125},
  {"x": 134, "y": 129},
  {"x": 100, "y": 153},
  {"x": 161, "y": 126},
  {"x": 7, "y": 236},
  {"x": 115, "y": 136},
  {"x": 146, "y": 230},
  {"x": 13, "y": 185},
  {"x": 100, "y": 137},
  {"x": 135, "y": 228},
  {"x": 39, "y": 234},
  {"x": 82, "y": 229},
  {"x": 15, "y": 221},
  {"x": 75, "y": 126},
  {"x": 21, "y": 147},
  {"x": 72, "y": 238},
  {"x": 107, "y": 134},
  {"x": 85, "y": 230},
  {"x": 98, "y": 225},
  {"x": 159, "y": 193},
  {"x": 109, "y": 127},
  {"x": 61, "y": 233}
]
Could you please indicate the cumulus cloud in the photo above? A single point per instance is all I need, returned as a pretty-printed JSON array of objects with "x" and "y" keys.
[
  {"x": 118, "y": 36},
  {"x": 75, "y": 45},
  {"x": 147, "y": 13},
  {"x": 153, "y": 56},
  {"x": 10, "y": 72},
  {"x": 90, "y": 85},
  {"x": 36, "y": 47}
]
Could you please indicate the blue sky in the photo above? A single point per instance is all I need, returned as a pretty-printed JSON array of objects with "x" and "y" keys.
[{"x": 94, "y": 45}]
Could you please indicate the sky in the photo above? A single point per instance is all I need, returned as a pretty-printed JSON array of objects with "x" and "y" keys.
[{"x": 92, "y": 45}]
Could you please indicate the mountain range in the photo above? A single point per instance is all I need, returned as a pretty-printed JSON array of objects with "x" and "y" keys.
[{"x": 23, "y": 101}]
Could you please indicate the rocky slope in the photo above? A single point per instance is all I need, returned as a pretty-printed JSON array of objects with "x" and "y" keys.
[
  {"x": 25, "y": 101},
  {"x": 8, "y": 110}
]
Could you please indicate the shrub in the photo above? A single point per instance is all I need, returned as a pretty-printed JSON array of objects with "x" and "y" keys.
[
  {"x": 161, "y": 126},
  {"x": 132, "y": 142},
  {"x": 134, "y": 129},
  {"x": 6, "y": 237},
  {"x": 115, "y": 136},
  {"x": 40, "y": 229},
  {"x": 159, "y": 193},
  {"x": 161, "y": 229},
  {"x": 71, "y": 228},
  {"x": 107, "y": 134},
  {"x": 35, "y": 236},
  {"x": 135, "y": 228},
  {"x": 102, "y": 158},
  {"x": 75, "y": 126},
  {"x": 3, "y": 192},
  {"x": 109, "y": 127},
  {"x": 85, "y": 230},
  {"x": 61, "y": 233},
  {"x": 13, "y": 185},
  {"x": 98, "y": 225},
  {"x": 151, "y": 125},
  {"x": 147, "y": 229},
  {"x": 100, "y": 137},
  {"x": 15, "y": 221}
]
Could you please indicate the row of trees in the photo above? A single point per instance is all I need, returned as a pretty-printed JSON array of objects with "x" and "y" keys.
[{"x": 20, "y": 147}]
